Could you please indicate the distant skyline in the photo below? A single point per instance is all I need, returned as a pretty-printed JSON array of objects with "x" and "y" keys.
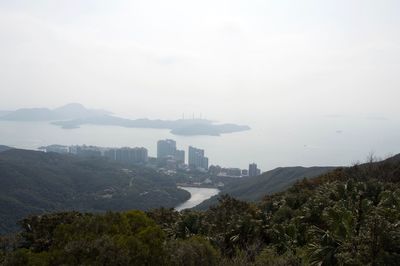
[{"x": 229, "y": 60}]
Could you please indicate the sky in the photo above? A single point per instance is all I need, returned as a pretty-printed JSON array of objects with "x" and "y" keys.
[{"x": 231, "y": 61}]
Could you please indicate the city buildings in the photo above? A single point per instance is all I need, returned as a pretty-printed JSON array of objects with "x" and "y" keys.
[
  {"x": 197, "y": 160},
  {"x": 131, "y": 155},
  {"x": 234, "y": 172},
  {"x": 111, "y": 154},
  {"x": 253, "y": 170},
  {"x": 180, "y": 156},
  {"x": 169, "y": 158},
  {"x": 85, "y": 151},
  {"x": 125, "y": 155},
  {"x": 166, "y": 149},
  {"x": 217, "y": 170},
  {"x": 55, "y": 148}
]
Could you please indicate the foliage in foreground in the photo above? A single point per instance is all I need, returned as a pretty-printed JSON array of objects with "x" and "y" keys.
[{"x": 347, "y": 217}]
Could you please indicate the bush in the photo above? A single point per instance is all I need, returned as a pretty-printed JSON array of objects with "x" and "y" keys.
[{"x": 192, "y": 251}]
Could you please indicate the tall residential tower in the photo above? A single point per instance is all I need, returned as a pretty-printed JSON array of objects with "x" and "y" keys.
[
  {"x": 253, "y": 170},
  {"x": 166, "y": 149},
  {"x": 197, "y": 160}
]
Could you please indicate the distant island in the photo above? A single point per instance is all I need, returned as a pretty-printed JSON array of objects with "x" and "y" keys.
[
  {"x": 183, "y": 127},
  {"x": 69, "y": 111},
  {"x": 74, "y": 115}
]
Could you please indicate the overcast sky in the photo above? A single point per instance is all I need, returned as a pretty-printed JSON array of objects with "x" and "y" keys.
[{"x": 229, "y": 60}]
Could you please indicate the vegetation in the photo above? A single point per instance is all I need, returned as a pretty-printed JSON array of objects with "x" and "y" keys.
[
  {"x": 349, "y": 216},
  {"x": 255, "y": 188},
  {"x": 4, "y": 148},
  {"x": 35, "y": 183}
]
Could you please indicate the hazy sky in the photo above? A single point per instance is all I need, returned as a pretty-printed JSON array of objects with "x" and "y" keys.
[{"x": 230, "y": 60}]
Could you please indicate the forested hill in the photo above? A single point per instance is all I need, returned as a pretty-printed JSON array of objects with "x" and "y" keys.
[
  {"x": 255, "y": 188},
  {"x": 348, "y": 216},
  {"x": 34, "y": 182}
]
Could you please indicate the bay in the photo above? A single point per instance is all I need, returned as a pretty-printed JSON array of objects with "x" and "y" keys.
[
  {"x": 315, "y": 141},
  {"x": 197, "y": 196}
]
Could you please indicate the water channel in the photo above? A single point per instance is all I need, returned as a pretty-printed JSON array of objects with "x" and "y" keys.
[{"x": 198, "y": 195}]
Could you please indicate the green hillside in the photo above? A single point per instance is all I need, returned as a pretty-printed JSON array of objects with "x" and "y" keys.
[
  {"x": 34, "y": 182},
  {"x": 349, "y": 216},
  {"x": 255, "y": 188}
]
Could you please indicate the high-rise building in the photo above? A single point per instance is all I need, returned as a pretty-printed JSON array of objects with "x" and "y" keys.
[
  {"x": 253, "y": 170},
  {"x": 56, "y": 148},
  {"x": 166, "y": 148},
  {"x": 128, "y": 155},
  {"x": 111, "y": 154},
  {"x": 123, "y": 155},
  {"x": 197, "y": 159},
  {"x": 180, "y": 156},
  {"x": 205, "y": 163},
  {"x": 87, "y": 151},
  {"x": 140, "y": 155}
]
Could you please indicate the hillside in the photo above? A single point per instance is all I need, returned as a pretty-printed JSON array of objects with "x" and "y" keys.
[
  {"x": 349, "y": 216},
  {"x": 255, "y": 188},
  {"x": 4, "y": 148},
  {"x": 35, "y": 182}
]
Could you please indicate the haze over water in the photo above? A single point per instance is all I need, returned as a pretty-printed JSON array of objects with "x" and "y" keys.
[
  {"x": 317, "y": 81},
  {"x": 304, "y": 141}
]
